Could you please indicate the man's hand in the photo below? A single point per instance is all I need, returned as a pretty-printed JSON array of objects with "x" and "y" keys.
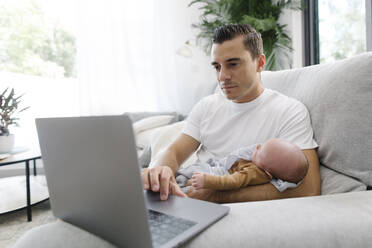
[
  {"x": 161, "y": 178},
  {"x": 197, "y": 180}
]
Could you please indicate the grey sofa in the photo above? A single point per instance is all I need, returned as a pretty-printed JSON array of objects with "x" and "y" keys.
[{"x": 339, "y": 98}]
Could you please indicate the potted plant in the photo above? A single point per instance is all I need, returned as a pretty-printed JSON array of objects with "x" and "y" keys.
[
  {"x": 9, "y": 104},
  {"x": 263, "y": 15}
]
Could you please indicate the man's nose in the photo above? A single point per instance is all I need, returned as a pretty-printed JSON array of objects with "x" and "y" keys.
[{"x": 224, "y": 75}]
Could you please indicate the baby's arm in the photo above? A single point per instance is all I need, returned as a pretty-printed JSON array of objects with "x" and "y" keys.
[
  {"x": 248, "y": 174},
  {"x": 226, "y": 182}
]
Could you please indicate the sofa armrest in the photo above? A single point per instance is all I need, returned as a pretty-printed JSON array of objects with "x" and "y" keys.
[{"x": 60, "y": 234}]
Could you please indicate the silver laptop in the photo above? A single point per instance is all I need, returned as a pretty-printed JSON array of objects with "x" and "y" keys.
[{"x": 94, "y": 183}]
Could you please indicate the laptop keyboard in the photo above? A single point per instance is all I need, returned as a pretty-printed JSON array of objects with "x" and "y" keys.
[{"x": 164, "y": 227}]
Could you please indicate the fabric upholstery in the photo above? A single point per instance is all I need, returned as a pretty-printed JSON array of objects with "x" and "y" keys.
[
  {"x": 152, "y": 122},
  {"x": 341, "y": 220},
  {"x": 136, "y": 116},
  {"x": 60, "y": 234},
  {"x": 338, "y": 96},
  {"x": 334, "y": 182},
  {"x": 143, "y": 125}
]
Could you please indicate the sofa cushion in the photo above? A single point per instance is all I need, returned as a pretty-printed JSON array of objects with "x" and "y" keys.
[
  {"x": 338, "y": 96},
  {"x": 152, "y": 122},
  {"x": 162, "y": 137},
  {"x": 136, "y": 116},
  {"x": 341, "y": 220},
  {"x": 334, "y": 182}
]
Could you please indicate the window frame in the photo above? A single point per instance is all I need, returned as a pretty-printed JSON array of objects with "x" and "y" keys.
[
  {"x": 310, "y": 16},
  {"x": 369, "y": 24},
  {"x": 311, "y": 32}
]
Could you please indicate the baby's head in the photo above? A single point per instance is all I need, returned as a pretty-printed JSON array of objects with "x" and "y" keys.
[{"x": 281, "y": 159}]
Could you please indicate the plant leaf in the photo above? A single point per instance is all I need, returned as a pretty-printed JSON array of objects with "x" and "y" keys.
[{"x": 263, "y": 15}]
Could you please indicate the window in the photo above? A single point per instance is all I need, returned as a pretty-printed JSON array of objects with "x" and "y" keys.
[
  {"x": 34, "y": 41},
  {"x": 38, "y": 59},
  {"x": 336, "y": 29},
  {"x": 342, "y": 29}
]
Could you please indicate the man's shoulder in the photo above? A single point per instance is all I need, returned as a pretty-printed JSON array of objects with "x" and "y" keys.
[
  {"x": 213, "y": 99},
  {"x": 281, "y": 100}
]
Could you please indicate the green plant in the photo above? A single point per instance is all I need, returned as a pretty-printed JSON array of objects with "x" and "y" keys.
[
  {"x": 9, "y": 104},
  {"x": 263, "y": 15}
]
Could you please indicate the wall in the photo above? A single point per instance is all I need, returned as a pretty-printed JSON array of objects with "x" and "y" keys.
[
  {"x": 183, "y": 71},
  {"x": 293, "y": 20}
]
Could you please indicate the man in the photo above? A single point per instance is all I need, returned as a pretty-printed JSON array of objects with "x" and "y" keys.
[{"x": 245, "y": 114}]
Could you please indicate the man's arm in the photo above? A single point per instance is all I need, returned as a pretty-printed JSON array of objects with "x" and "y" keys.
[
  {"x": 161, "y": 176},
  {"x": 310, "y": 186}
]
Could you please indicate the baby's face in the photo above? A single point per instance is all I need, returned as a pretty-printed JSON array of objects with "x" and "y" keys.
[
  {"x": 280, "y": 159},
  {"x": 260, "y": 159}
]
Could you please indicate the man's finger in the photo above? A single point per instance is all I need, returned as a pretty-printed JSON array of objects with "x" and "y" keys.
[
  {"x": 145, "y": 178},
  {"x": 154, "y": 179},
  {"x": 164, "y": 185},
  {"x": 176, "y": 190}
]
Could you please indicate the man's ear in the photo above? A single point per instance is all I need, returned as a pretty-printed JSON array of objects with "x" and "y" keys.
[{"x": 261, "y": 60}]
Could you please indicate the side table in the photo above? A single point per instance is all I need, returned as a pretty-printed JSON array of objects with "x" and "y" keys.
[{"x": 26, "y": 157}]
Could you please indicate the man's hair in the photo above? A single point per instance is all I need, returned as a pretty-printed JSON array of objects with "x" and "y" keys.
[{"x": 252, "y": 38}]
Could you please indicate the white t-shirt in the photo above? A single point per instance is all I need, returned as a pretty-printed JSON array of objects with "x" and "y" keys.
[{"x": 222, "y": 126}]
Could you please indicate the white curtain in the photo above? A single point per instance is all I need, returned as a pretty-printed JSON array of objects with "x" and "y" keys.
[
  {"x": 183, "y": 70},
  {"x": 114, "y": 50},
  {"x": 128, "y": 57},
  {"x": 131, "y": 56}
]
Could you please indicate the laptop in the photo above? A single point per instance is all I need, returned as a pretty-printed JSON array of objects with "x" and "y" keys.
[{"x": 94, "y": 182}]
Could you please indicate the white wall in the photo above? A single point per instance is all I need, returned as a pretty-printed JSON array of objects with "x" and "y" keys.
[
  {"x": 293, "y": 20},
  {"x": 47, "y": 98},
  {"x": 184, "y": 73}
]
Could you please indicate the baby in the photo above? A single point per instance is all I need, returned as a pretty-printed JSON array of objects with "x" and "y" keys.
[{"x": 259, "y": 164}]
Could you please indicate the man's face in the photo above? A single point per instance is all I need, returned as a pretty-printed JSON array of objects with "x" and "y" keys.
[{"x": 237, "y": 72}]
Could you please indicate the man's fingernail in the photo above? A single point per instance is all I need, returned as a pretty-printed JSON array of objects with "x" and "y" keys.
[
  {"x": 163, "y": 197},
  {"x": 155, "y": 187},
  {"x": 146, "y": 186}
]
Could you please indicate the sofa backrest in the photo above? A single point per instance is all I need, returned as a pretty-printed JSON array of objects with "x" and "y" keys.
[{"x": 338, "y": 96}]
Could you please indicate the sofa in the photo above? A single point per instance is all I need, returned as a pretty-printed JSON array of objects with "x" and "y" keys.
[{"x": 338, "y": 96}]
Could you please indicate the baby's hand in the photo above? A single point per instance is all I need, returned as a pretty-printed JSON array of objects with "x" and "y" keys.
[{"x": 197, "y": 180}]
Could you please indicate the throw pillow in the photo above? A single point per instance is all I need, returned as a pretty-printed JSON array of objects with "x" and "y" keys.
[
  {"x": 151, "y": 122},
  {"x": 162, "y": 137}
]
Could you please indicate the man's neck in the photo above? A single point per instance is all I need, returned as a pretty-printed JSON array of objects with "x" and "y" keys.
[{"x": 254, "y": 94}]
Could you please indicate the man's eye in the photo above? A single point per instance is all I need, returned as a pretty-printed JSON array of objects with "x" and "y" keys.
[
  {"x": 233, "y": 64},
  {"x": 217, "y": 67}
]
